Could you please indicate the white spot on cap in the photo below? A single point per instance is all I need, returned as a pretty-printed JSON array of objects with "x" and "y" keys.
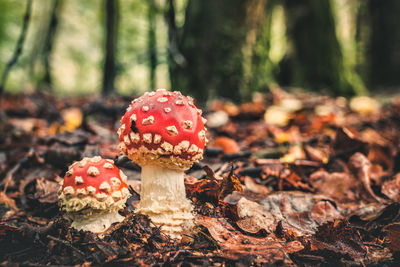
[
  {"x": 167, "y": 147},
  {"x": 157, "y": 139},
  {"x": 167, "y": 110},
  {"x": 123, "y": 176},
  {"x": 179, "y": 102},
  {"x": 161, "y": 90},
  {"x": 152, "y": 93},
  {"x": 162, "y": 99},
  {"x": 147, "y": 138},
  {"x": 95, "y": 159},
  {"x": 82, "y": 163},
  {"x": 193, "y": 149},
  {"x": 80, "y": 192},
  {"x": 69, "y": 172},
  {"x": 187, "y": 124},
  {"x": 181, "y": 147},
  {"x": 148, "y": 120},
  {"x": 145, "y": 108},
  {"x": 133, "y": 117},
  {"x": 115, "y": 182},
  {"x": 101, "y": 196},
  {"x": 91, "y": 190},
  {"x": 199, "y": 111},
  {"x": 69, "y": 191},
  {"x": 116, "y": 195},
  {"x": 122, "y": 146},
  {"x": 123, "y": 127},
  {"x": 125, "y": 192},
  {"x": 171, "y": 130},
  {"x": 204, "y": 120},
  {"x": 135, "y": 137},
  {"x": 108, "y": 165},
  {"x": 129, "y": 109},
  {"x": 61, "y": 182},
  {"x": 110, "y": 160},
  {"x": 78, "y": 180},
  {"x": 126, "y": 140},
  {"x": 93, "y": 171},
  {"x": 202, "y": 135},
  {"x": 105, "y": 187}
]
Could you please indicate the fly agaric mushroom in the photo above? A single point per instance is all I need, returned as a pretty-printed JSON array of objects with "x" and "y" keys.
[
  {"x": 92, "y": 193},
  {"x": 164, "y": 133}
]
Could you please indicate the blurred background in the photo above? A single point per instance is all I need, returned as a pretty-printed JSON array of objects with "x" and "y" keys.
[{"x": 205, "y": 48}]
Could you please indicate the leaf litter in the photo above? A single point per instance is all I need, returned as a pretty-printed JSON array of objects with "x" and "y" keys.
[{"x": 287, "y": 179}]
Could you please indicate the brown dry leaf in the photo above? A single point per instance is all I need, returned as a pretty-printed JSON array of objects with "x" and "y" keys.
[
  {"x": 234, "y": 245},
  {"x": 295, "y": 209},
  {"x": 393, "y": 233},
  {"x": 360, "y": 166},
  {"x": 338, "y": 185},
  {"x": 338, "y": 237},
  {"x": 252, "y": 186},
  {"x": 213, "y": 190},
  {"x": 229, "y": 184},
  {"x": 316, "y": 154},
  {"x": 253, "y": 218},
  {"x": 346, "y": 144},
  {"x": 228, "y": 145},
  {"x": 7, "y": 201},
  {"x": 391, "y": 188}
]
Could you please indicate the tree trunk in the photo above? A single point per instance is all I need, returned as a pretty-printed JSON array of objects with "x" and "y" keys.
[
  {"x": 19, "y": 46},
  {"x": 314, "y": 59},
  {"x": 111, "y": 24},
  {"x": 378, "y": 39},
  {"x": 215, "y": 46},
  {"x": 46, "y": 80},
  {"x": 152, "y": 43}
]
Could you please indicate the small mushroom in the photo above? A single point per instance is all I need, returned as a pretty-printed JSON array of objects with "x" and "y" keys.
[
  {"x": 166, "y": 145},
  {"x": 92, "y": 193}
]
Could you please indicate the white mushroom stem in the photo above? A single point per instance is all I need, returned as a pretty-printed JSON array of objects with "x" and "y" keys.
[
  {"x": 97, "y": 222},
  {"x": 163, "y": 199}
]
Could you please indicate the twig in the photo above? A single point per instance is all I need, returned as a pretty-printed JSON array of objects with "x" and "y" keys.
[
  {"x": 66, "y": 243},
  {"x": 19, "y": 46}
]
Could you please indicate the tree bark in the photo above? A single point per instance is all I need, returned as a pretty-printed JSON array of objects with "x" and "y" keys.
[
  {"x": 46, "y": 80},
  {"x": 152, "y": 43},
  {"x": 314, "y": 59},
  {"x": 379, "y": 42},
  {"x": 111, "y": 25},
  {"x": 19, "y": 46},
  {"x": 213, "y": 43}
]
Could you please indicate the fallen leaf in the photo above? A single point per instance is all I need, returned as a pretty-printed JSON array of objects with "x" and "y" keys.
[{"x": 228, "y": 145}]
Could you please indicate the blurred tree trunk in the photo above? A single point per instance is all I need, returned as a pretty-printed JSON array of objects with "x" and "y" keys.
[
  {"x": 111, "y": 25},
  {"x": 314, "y": 58},
  {"x": 18, "y": 47},
  {"x": 378, "y": 37},
  {"x": 46, "y": 80},
  {"x": 152, "y": 42},
  {"x": 212, "y": 55}
]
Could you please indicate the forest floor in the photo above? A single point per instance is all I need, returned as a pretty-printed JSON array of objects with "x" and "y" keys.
[{"x": 286, "y": 179}]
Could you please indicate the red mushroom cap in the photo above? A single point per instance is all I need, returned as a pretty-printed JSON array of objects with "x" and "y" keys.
[
  {"x": 163, "y": 128},
  {"x": 94, "y": 183}
]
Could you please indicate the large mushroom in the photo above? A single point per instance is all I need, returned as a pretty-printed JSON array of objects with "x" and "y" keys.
[
  {"x": 164, "y": 133},
  {"x": 92, "y": 193}
]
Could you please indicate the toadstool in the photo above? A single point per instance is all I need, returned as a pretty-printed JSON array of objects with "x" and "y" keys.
[
  {"x": 164, "y": 133},
  {"x": 92, "y": 193}
]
